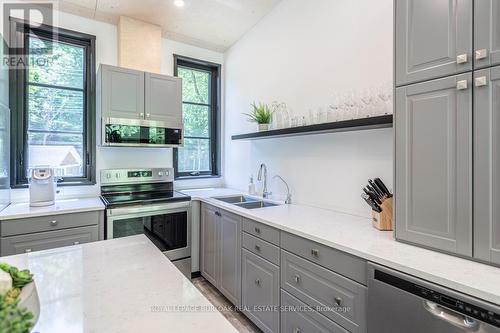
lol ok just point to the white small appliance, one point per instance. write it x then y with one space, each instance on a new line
42 187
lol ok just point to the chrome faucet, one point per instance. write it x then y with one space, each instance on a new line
288 194
263 172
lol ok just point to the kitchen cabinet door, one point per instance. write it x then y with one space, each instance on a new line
434 164
209 246
164 99
486 33
260 292
122 92
433 39
230 256
487 165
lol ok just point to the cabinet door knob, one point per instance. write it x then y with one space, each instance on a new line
297 278
257 282
76 243
257 248
257 230
462 58
148 115
141 115
27 250
338 301
296 330
53 223
481 54
315 252
480 81
461 84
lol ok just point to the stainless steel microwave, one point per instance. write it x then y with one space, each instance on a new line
122 132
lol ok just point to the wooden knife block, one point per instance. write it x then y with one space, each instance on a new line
383 220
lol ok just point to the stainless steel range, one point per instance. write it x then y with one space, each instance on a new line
143 201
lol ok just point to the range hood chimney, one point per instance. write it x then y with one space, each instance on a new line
139 45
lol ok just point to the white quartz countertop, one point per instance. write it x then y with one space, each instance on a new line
23 210
355 235
119 285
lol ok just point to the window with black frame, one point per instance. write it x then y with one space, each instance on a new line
200 154
53 104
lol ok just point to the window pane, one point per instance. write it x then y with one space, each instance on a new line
61 65
55 109
196 120
194 156
195 85
61 151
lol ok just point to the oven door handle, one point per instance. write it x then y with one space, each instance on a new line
456 319
150 209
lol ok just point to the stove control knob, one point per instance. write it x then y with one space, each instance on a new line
117 175
108 176
160 173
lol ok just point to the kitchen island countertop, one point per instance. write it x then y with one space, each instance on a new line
119 285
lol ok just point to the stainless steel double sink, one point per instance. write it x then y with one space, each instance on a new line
246 201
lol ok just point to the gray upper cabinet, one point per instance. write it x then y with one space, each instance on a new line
121 92
487 165
434 164
208 246
486 33
164 99
230 256
220 254
433 39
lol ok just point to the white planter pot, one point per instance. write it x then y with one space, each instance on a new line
263 127
29 299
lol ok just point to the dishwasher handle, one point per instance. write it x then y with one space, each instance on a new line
452 317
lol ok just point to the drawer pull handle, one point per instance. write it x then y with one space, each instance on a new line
53 223
257 248
462 58
481 54
338 301
27 250
76 243
480 81
257 230
461 84
315 252
257 282
296 330
297 278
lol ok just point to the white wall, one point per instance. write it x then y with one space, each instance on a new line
107 53
301 53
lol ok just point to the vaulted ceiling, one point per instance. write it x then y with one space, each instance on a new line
213 24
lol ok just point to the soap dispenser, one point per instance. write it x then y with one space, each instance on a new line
251 186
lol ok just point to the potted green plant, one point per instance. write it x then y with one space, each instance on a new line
261 114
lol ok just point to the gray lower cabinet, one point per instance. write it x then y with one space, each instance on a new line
220 261
433 39
47 240
297 317
164 99
209 244
487 164
433 157
121 92
486 33
260 297
335 296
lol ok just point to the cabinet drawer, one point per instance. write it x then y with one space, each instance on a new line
340 299
262 231
262 248
48 223
345 264
260 292
295 318
47 240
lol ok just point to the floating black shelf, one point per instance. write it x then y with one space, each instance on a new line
338 126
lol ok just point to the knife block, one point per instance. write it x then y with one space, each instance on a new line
383 220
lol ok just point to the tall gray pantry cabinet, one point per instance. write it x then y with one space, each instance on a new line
447 121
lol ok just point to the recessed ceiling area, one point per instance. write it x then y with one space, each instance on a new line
212 24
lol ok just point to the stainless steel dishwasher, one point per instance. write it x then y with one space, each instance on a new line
400 303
